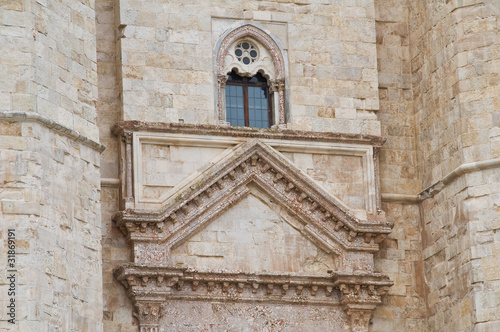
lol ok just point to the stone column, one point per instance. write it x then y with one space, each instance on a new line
129 194
221 104
277 87
359 301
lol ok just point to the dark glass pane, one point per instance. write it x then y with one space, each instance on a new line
246 60
253 53
258 78
258 111
238 52
235 112
245 46
234 77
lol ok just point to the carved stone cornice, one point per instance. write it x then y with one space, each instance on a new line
150 287
368 295
267 133
156 284
326 222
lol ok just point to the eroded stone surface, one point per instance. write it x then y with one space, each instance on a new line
422 74
253 236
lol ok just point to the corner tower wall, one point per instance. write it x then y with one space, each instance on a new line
454 52
49 165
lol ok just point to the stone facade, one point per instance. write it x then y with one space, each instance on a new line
50 166
372 202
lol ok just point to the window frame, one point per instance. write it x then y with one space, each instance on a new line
245 83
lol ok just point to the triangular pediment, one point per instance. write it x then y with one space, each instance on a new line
255 234
322 217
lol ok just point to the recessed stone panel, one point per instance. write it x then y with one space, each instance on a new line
165 165
256 234
341 175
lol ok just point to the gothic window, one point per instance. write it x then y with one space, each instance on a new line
251 79
247 100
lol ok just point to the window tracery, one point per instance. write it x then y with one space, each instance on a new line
246 52
249 51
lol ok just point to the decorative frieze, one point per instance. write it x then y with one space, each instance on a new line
149 286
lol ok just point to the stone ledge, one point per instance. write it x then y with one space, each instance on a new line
110 182
456 173
267 133
438 186
51 124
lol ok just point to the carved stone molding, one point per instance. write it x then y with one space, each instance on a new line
221 102
248 166
260 36
359 294
326 222
279 134
221 80
148 314
127 156
359 319
359 301
277 85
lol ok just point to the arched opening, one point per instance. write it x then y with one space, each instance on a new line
242 54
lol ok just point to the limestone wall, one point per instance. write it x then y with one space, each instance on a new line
460 240
50 62
400 255
167 64
108 105
117 307
454 51
50 196
454 54
49 164
398 157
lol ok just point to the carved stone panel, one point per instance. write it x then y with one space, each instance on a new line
251 224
